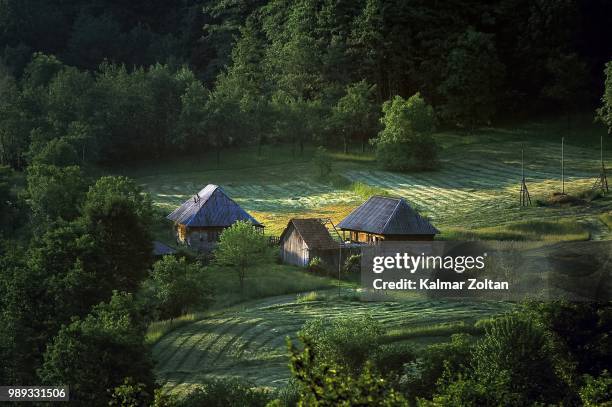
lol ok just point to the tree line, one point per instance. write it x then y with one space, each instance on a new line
119 81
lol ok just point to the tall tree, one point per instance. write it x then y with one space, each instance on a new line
242 247
604 113
355 114
405 141
95 354
473 75
568 80
117 215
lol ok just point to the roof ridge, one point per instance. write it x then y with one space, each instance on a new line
391 216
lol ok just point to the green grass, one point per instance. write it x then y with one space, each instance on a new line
264 281
607 219
308 297
433 330
476 186
250 343
156 330
365 191
554 230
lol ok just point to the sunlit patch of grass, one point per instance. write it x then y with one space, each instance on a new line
554 230
366 191
443 329
264 281
607 219
308 297
158 329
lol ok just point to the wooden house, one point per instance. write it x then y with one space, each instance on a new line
304 239
200 220
386 218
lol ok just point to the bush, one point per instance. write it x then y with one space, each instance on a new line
515 357
581 330
174 286
315 265
405 142
352 264
421 376
597 391
390 359
345 341
226 393
325 385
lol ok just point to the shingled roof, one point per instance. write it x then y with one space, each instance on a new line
387 216
211 207
313 232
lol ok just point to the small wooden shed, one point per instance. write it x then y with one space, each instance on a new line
386 218
200 220
304 239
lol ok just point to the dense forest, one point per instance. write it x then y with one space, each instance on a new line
112 80
86 85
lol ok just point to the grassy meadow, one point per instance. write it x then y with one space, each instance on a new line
475 189
473 195
250 343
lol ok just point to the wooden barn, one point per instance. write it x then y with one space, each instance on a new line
200 220
386 218
304 239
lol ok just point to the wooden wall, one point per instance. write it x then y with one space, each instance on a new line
293 249
364 237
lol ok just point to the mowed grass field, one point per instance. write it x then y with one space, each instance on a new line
250 344
475 192
476 185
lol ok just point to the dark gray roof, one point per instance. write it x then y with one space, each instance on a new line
387 216
162 249
211 207
313 232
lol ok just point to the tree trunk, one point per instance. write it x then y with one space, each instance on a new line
344 139
241 278
259 147
218 156
363 143
301 147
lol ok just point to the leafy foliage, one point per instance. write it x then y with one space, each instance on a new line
242 246
405 142
604 113
329 385
473 76
346 341
95 353
174 286
117 215
222 393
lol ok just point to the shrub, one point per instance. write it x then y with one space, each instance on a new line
345 341
226 393
597 391
421 375
405 142
174 286
315 265
391 358
352 264
581 330
323 385
515 357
